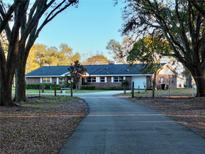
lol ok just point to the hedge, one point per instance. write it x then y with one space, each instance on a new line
87 87
48 86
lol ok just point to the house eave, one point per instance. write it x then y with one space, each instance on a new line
41 76
121 75
87 75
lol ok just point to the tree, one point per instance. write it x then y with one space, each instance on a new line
96 60
8 59
180 23
42 55
149 50
199 5
76 72
28 19
120 50
125 85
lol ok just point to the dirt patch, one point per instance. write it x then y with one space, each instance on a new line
40 125
186 110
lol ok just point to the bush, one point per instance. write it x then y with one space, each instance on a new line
87 87
46 86
111 88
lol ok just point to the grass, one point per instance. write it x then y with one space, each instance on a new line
161 93
30 91
48 103
41 125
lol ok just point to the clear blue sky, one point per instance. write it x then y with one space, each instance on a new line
87 29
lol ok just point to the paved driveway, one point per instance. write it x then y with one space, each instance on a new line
117 126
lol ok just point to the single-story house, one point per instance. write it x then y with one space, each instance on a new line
100 76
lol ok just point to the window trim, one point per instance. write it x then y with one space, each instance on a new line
102 79
46 80
92 79
117 79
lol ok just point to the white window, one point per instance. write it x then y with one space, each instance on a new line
102 79
91 79
118 79
46 80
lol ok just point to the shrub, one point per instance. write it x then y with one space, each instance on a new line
87 87
111 88
47 86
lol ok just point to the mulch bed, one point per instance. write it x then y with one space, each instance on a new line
40 126
188 111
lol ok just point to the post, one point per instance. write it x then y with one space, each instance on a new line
169 87
55 89
39 91
71 89
133 89
42 88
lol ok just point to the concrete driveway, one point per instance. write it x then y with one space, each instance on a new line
117 126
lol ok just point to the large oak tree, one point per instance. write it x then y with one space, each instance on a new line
180 23
22 21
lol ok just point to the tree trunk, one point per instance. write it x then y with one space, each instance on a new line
200 85
154 85
124 87
199 77
200 88
6 91
20 83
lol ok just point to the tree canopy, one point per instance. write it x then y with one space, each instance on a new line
120 49
180 23
41 55
149 51
96 60
22 21
76 71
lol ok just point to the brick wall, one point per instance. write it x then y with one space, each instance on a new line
110 84
170 80
32 80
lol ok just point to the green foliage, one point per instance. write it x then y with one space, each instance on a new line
149 50
91 87
180 22
47 86
110 88
125 83
76 71
87 87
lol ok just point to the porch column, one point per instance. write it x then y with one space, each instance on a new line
97 79
57 81
112 79
105 79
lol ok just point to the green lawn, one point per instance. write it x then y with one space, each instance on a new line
171 92
33 91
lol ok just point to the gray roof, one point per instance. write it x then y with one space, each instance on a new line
111 69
